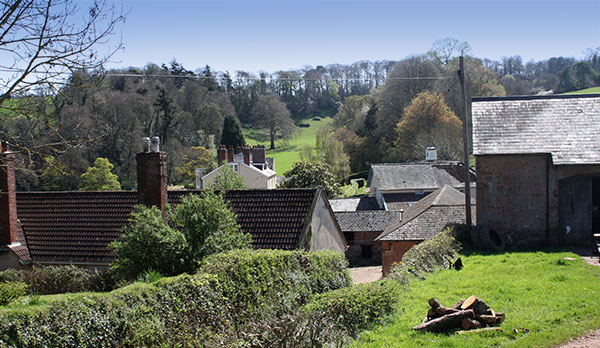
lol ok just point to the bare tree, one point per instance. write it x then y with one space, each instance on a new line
42 44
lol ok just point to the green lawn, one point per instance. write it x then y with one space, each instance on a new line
287 152
591 90
553 298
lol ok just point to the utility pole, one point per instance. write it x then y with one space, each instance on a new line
461 76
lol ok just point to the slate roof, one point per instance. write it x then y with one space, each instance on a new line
353 204
366 221
417 176
427 217
566 126
76 227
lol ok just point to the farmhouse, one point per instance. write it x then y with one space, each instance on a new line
76 227
538 167
250 163
421 221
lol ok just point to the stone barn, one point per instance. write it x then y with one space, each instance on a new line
538 167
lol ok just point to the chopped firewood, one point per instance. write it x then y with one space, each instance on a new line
500 317
474 302
458 304
447 322
472 313
483 329
470 324
468 302
434 303
488 319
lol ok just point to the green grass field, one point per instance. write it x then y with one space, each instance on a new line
286 153
553 298
592 90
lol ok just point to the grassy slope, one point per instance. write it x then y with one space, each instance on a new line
286 153
553 298
586 91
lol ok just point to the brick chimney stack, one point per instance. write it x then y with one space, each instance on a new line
222 154
246 150
152 175
230 154
8 197
259 154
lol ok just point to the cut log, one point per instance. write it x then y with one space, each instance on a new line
458 304
470 324
488 319
445 310
468 302
434 303
483 329
500 317
447 322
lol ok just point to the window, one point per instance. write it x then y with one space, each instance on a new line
365 251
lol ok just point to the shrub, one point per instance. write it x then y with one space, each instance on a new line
10 291
59 279
210 308
355 308
425 257
197 227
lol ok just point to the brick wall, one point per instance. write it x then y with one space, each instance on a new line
512 196
392 252
8 201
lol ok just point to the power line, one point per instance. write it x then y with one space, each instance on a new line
255 78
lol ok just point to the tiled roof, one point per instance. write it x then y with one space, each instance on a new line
276 219
565 126
353 204
427 217
76 227
366 221
417 176
73 226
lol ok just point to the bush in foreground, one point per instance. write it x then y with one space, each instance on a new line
210 308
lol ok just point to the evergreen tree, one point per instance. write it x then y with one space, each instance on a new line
232 132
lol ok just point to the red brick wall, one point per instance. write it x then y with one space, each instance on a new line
511 196
8 201
392 252
152 179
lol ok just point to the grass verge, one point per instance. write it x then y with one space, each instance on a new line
553 298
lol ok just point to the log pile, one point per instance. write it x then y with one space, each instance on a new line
468 314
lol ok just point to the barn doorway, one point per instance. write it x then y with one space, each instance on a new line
596 205
577 197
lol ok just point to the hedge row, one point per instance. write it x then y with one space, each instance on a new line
59 279
206 309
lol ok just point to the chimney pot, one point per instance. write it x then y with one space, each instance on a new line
230 154
4 146
431 154
246 150
155 144
146 144
222 154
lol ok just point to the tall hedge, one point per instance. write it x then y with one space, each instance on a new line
188 310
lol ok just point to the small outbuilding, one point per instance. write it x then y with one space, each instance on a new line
421 221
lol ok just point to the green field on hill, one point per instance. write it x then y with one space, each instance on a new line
592 90
287 152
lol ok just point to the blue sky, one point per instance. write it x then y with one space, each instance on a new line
269 35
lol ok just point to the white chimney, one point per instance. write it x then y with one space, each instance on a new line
155 144
431 154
